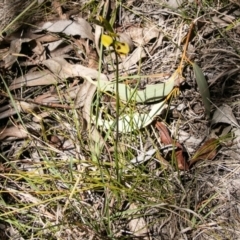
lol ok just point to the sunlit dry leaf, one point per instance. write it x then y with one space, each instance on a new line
236 140
189 141
138 226
97 36
62 51
63 69
31 79
174 3
20 106
18 132
143 157
141 36
206 152
37 47
15 48
224 114
56 5
53 45
80 27
132 59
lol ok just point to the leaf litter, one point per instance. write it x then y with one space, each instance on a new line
59 81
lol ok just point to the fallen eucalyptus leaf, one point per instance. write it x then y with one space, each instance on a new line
18 132
143 157
142 36
14 50
138 225
31 79
63 69
80 27
224 114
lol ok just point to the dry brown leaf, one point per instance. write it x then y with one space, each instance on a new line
15 48
166 140
72 28
63 69
181 162
54 45
60 69
31 79
138 226
20 106
164 133
206 152
132 59
224 114
142 36
57 96
62 51
93 59
56 5
18 132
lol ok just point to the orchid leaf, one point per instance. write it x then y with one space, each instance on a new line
203 87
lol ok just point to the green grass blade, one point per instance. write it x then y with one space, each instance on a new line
203 87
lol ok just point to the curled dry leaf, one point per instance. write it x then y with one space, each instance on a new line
206 152
166 140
